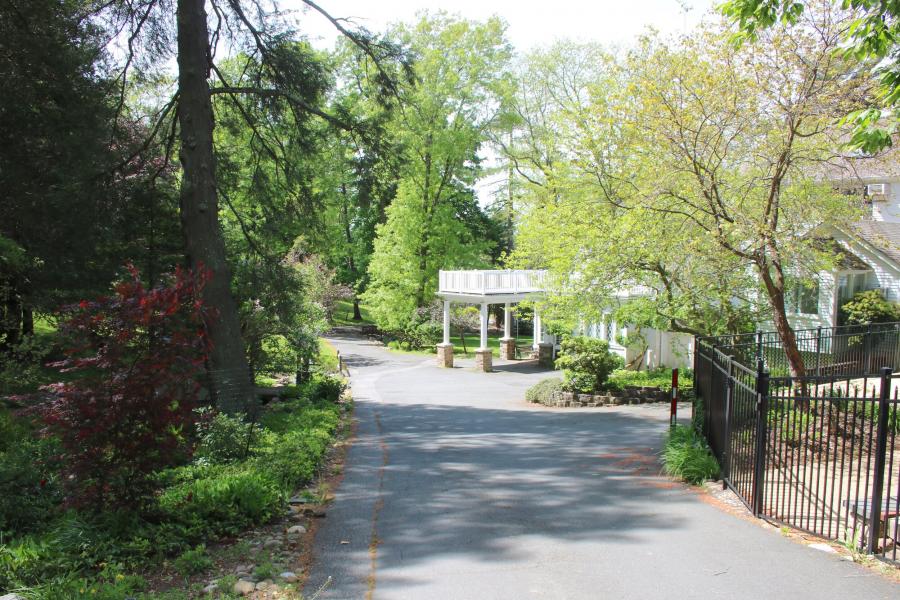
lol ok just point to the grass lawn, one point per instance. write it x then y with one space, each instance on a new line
328 357
343 314
472 342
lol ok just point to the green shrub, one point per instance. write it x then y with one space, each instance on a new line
22 370
543 391
193 561
586 363
221 438
326 387
28 477
686 456
660 377
869 307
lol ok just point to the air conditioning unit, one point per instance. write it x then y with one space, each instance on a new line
877 191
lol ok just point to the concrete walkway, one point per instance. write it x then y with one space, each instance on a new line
455 488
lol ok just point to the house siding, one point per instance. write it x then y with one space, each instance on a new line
664 348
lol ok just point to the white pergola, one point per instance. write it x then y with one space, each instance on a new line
486 288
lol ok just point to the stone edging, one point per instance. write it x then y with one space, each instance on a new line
629 395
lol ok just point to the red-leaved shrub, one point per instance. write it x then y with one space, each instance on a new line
135 358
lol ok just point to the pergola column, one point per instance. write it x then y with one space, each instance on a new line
446 321
484 327
483 354
445 350
507 343
543 350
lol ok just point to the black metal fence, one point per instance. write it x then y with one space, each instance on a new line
820 453
845 350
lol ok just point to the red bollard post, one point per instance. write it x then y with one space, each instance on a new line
673 413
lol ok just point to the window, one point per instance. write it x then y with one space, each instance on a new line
849 284
802 298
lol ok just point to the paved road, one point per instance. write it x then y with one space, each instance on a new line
455 488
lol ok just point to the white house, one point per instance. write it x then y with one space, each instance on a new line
648 348
869 252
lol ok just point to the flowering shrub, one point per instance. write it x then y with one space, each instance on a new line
135 357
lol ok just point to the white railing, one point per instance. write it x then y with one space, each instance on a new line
491 282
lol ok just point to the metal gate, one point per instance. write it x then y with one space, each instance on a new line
817 453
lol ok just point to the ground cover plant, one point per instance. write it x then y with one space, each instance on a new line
125 464
687 456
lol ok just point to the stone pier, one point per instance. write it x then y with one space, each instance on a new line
445 355
507 348
483 360
545 355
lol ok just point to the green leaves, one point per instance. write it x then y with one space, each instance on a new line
434 221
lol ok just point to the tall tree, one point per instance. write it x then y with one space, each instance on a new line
278 70
460 68
74 220
694 169
871 37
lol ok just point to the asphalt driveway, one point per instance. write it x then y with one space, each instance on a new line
456 488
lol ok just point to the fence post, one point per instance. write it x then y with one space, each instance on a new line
726 455
818 350
880 457
762 410
673 413
868 348
759 346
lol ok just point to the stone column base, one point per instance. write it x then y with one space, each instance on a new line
508 348
445 355
545 355
483 360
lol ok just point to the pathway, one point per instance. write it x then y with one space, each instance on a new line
455 488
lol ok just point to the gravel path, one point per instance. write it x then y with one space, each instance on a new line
456 488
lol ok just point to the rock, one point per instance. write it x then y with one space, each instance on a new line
289 577
297 500
820 547
243 574
244 587
11 597
297 516
211 588
264 585
296 530
271 543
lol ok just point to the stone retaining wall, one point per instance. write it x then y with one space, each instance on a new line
629 395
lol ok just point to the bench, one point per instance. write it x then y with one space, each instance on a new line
890 509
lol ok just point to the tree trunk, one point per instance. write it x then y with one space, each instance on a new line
204 245
27 321
357 315
12 320
775 293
